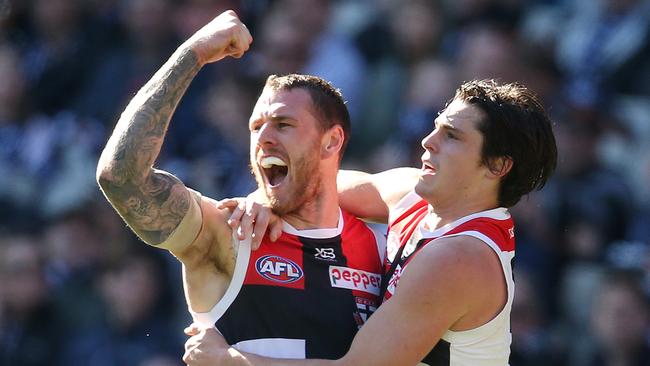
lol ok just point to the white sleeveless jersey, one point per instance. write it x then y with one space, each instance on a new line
486 345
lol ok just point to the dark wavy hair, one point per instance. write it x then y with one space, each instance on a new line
517 127
327 101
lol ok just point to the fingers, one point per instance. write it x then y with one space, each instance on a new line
186 358
208 347
245 36
224 36
249 218
241 42
190 345
237 55
237 214
247 221
229 203
230 13
192 330
275 228
235 49
248 37
259 228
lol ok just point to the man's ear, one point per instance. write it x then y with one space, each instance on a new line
332 141
500 166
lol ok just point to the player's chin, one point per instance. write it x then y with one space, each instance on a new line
423 188
282 201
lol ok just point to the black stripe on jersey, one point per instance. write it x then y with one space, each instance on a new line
272 308
340 327
439 355
327 325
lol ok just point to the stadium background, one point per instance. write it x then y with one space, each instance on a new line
76 288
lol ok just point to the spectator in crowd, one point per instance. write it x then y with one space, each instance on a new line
60 54
531 337
330 54
425 94
604 48
398 39
39 150
147 37
31 333
592 204
74 252
134 329
620 318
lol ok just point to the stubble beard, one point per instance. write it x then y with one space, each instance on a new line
304 185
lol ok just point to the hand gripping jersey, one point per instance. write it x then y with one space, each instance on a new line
305 295
488 344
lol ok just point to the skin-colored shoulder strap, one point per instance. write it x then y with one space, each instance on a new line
189 227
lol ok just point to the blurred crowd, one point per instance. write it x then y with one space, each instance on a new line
77 288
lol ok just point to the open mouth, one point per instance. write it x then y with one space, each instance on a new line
428 168
275 170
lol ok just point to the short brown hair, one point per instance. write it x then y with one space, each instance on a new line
328 101
516 126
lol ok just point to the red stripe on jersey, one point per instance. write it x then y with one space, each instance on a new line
419 205
359 247
401 230
500 231
277 264
359 244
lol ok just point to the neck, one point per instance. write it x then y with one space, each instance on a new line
443 213
321 212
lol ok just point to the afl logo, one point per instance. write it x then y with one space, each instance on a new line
278 269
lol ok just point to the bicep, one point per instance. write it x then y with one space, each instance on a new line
207 241
208 259
154 209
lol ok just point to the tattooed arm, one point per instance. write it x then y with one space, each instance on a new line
151 201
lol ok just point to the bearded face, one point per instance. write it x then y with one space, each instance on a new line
285 149
288 183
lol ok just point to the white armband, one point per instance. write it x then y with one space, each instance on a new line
188 229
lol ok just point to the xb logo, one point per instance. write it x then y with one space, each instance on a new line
325 253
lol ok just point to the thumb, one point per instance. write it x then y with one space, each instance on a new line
275 228
229 203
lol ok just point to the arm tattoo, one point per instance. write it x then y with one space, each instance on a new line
151 201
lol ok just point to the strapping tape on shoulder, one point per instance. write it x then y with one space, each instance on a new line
189 227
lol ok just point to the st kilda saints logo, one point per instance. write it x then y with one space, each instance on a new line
278 269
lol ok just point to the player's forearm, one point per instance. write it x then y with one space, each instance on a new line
152 202
372 196
138 136
359 196
255 360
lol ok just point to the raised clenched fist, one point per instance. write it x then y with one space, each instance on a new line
224 36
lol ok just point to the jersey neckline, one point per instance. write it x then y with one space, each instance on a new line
324 233
499 213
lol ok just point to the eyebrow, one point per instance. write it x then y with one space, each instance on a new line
276 118
281 117
447 126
